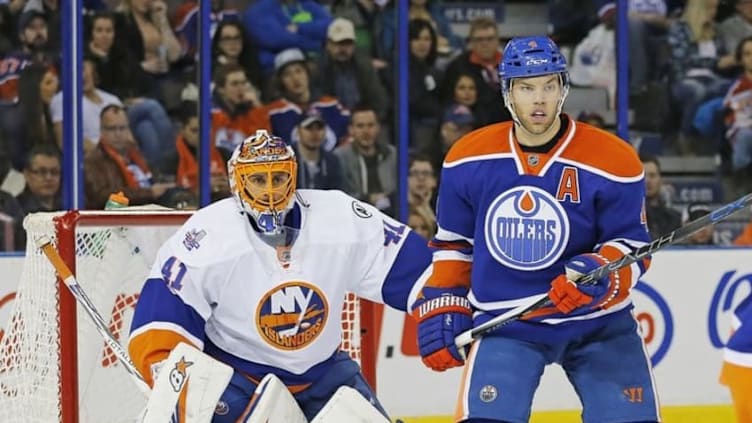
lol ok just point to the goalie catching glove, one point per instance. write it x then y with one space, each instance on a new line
442 314
567 295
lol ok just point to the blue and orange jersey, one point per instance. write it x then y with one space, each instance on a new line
510 219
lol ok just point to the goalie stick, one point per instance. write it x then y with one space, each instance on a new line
45 244
671 238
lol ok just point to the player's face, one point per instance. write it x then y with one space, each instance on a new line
268 187
536 101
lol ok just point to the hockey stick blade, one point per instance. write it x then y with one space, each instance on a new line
671 238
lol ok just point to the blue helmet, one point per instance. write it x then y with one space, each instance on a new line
531 56
527 57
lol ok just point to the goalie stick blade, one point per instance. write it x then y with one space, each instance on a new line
656 245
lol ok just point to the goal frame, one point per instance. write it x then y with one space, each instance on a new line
65 230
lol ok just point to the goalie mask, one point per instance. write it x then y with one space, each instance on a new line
262 173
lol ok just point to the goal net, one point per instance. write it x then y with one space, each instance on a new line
54 365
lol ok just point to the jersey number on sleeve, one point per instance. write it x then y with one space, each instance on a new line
173 272
392 233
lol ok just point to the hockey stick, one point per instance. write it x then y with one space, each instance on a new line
45 244
671 238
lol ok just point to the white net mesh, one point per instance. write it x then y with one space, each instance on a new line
111 264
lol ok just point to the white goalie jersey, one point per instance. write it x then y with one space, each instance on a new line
218 286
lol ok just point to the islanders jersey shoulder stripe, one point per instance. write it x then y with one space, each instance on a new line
509 219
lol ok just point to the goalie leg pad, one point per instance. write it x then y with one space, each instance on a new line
348 405
272 402
187 388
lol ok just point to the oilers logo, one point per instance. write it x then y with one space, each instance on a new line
526 228
292 315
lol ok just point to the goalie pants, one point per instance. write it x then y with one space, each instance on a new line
344 372
607 366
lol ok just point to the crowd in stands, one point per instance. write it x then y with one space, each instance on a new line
321 74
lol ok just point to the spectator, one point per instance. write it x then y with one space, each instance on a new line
465 91
705 236
51 11
421 190
187 18
186 168
231 46
370 166
661 218
93 101
739 120
37 86
33 36
365 16
277 25
145 34
42 174
648 24
317 168
12 233
737 26
117 164
424 77
237 111
428 10
592 118
346 74
744 239
458 120
697 54
482 61
424 225
118 74
292 80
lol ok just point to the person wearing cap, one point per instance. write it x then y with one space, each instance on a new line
277 25
703 237
292 80
34 38
457 121
317 168
347 74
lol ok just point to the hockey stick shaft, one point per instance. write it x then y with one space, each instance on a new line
671 238
45 244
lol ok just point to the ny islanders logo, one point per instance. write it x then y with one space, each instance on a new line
292 315
526 228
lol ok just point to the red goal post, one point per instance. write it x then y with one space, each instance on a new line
54 366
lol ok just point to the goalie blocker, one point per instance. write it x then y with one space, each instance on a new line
192 387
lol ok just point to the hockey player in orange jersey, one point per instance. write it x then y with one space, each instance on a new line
525 208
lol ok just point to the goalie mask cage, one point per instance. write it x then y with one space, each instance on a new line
54 365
